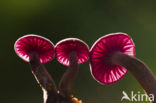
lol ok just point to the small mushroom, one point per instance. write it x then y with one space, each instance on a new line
68 46
101 67
112 55
38 50
70 52
25 45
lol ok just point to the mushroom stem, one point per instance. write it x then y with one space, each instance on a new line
137 68
43 78
69 76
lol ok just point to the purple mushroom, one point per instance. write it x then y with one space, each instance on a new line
101 69
67 46
38 50
34 43
110 58
70 52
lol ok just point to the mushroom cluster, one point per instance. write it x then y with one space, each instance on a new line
38 50
111 57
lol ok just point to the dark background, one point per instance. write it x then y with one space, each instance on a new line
85 19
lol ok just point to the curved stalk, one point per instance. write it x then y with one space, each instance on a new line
43 78
65 85
138 69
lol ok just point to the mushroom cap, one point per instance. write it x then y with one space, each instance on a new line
34 43
66 46
101 70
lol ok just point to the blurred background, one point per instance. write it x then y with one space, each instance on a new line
84 19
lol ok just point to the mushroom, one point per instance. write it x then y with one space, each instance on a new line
70 46
112 55
38 50
70 52
34 43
